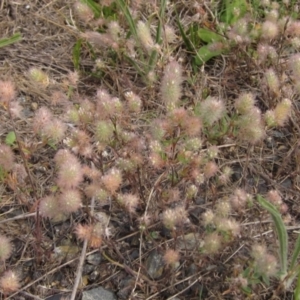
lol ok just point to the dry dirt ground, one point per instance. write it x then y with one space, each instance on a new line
47 43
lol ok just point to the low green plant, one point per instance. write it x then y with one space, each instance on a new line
288 271
150 148
264 265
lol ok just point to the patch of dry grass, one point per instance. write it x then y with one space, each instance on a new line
46 253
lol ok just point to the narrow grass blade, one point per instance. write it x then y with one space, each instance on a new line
158 38
76 54
297 290
124 8
295 253
8 41
186 40
281 232
162 10
136 66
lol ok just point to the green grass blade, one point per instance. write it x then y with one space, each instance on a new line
186 40
297 290
295 253
136 66
8 41
76 54
160 21
124 8
158 39
281 231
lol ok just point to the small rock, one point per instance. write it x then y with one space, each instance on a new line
155 265
98 294
189 241
94 259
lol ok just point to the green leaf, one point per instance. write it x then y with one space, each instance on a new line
51 144
246 290
8 41
204 54
281 232
208 36
76 54
10 138
93 6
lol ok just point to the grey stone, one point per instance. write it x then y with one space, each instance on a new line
189 241
98 294
155 265
94 259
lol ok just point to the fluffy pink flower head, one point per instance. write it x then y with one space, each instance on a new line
9 282
7 92
112 180
80 143
100 40
272 81
43 117
274 197
210 169
49 207
5 248
70 173
294 63
83 231
171 85
211 110
175 217
270 30
244 103
293 29
239 199
144 35
171 257
54 130
15 109
70 200
73 78
129 201
282 111
108 105
212 243
134 102
251 126
6 157
83 11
